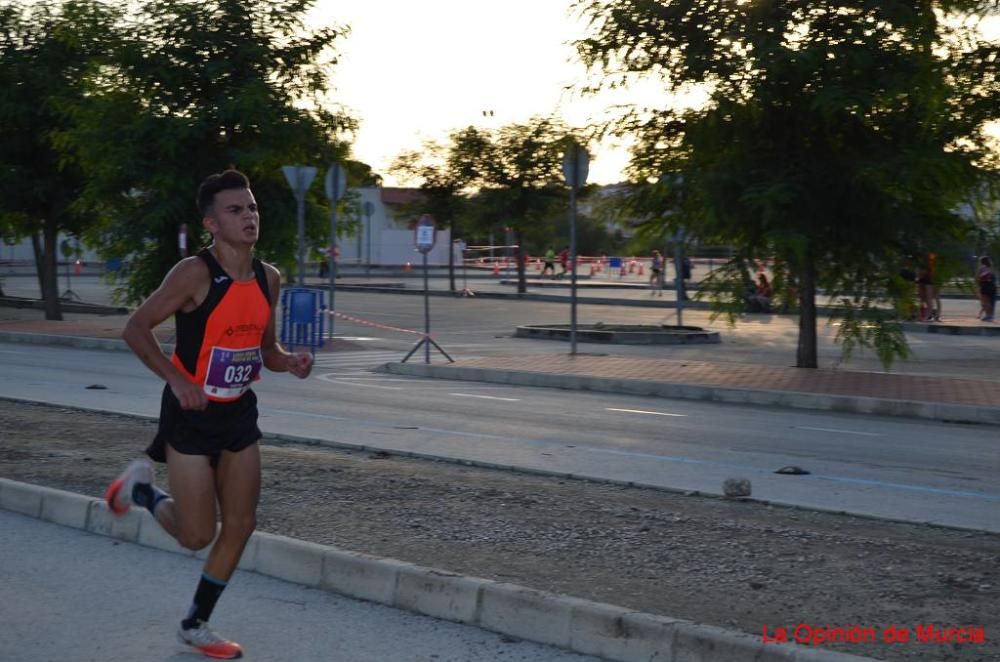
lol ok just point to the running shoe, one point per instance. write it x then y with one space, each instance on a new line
207 642
119 493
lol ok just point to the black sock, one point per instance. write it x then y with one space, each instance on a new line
148 496
205 597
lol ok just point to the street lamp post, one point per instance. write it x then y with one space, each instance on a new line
679 275
576 164
335 186
369 209
299 178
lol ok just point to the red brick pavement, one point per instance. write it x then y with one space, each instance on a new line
755 377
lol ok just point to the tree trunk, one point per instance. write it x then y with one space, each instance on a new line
451 259
806 355
36 249
46 266
519 257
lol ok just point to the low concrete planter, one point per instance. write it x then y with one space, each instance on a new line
622 334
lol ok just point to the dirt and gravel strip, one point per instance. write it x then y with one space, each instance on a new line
738 565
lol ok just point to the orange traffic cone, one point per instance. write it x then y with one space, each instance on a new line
406 267
496 269
640 270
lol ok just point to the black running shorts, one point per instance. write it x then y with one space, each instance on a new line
223 426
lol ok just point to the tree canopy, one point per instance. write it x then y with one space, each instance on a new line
196 87
510 177
47 52
838 138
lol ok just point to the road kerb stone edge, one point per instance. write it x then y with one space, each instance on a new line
571 623
78 342
789 399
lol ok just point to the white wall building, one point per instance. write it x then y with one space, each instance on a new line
23 253
386 238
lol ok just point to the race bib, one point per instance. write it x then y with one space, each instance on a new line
231 371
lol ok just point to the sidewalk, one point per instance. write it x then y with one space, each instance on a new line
72 595
65 583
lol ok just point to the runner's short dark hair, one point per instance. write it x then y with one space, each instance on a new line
222 181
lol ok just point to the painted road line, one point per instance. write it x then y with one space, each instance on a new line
353 381
484 397
365 377
306 414
642 411
838 431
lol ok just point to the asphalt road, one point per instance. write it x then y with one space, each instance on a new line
914 470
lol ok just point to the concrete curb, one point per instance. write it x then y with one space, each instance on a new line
77 342
583 300
65 306
951 329
935 411
582 626
651 335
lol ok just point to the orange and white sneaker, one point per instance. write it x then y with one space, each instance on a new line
119 493
207 642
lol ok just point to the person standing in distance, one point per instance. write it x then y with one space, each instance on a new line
223 300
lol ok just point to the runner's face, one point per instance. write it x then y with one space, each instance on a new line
234 217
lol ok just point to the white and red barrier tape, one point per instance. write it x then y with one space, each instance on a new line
375 325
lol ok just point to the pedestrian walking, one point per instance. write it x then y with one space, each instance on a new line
223 301
656 274
760 300
925 294
986 280
935 287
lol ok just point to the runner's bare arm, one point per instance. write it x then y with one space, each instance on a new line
183 288
276 357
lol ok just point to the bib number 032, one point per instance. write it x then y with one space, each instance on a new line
238 374
231 371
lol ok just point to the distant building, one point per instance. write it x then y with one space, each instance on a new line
387 237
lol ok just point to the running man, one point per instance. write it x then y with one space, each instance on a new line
223 301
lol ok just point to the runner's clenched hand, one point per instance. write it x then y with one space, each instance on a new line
189 395
300 364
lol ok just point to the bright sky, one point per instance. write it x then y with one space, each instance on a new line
412 71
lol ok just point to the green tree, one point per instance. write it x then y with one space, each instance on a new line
838 139
198 87
442 181
517 173
510 177
48 50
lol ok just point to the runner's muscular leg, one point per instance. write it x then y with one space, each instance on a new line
189 515
237 480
